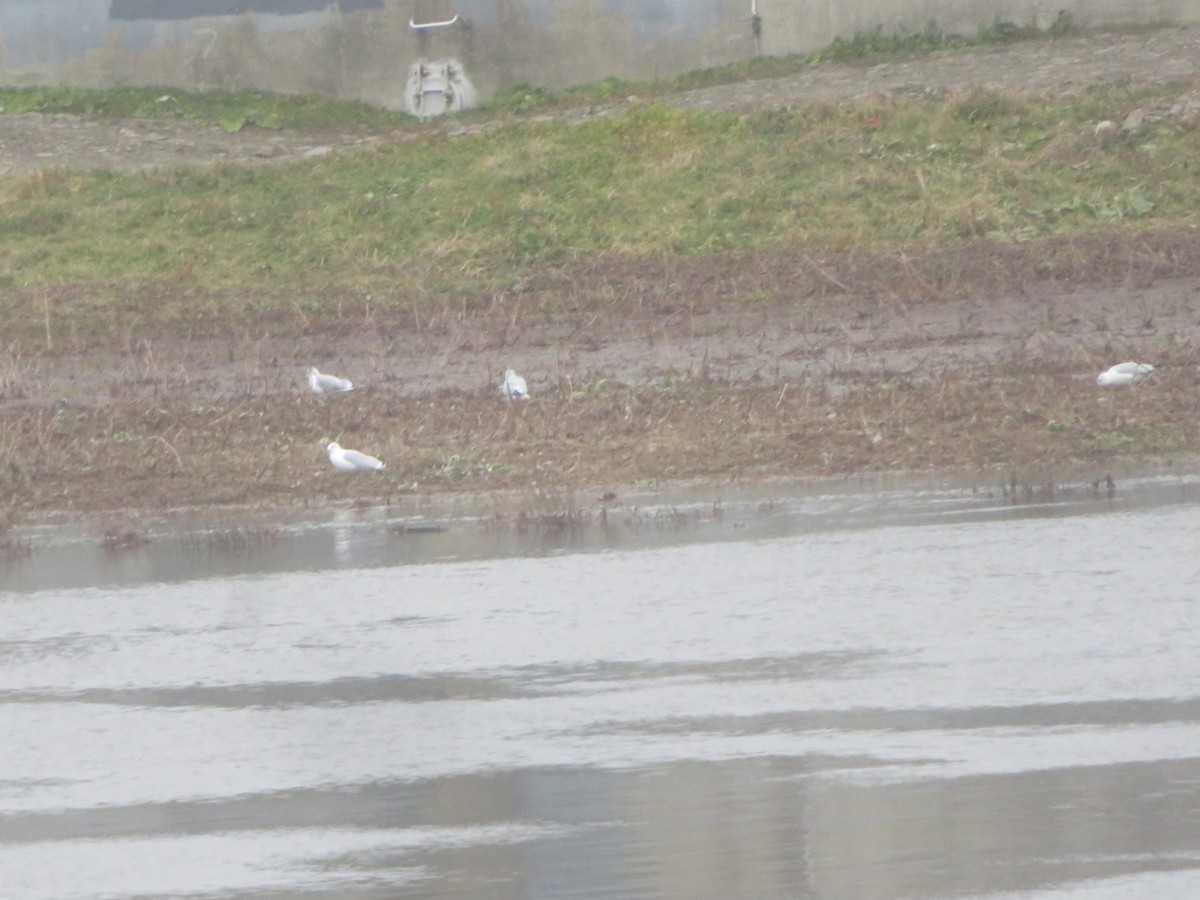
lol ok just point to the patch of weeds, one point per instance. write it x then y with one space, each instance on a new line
1131 203
877 42
552 512
548 521
1112 441
17 375
1130 439
14 548
981 105
1002 31
231 110
523 98
42 221
459 468
117 540
1063 25
520 98
590 390
236 538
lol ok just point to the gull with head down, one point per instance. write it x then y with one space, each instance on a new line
1123 374
513 387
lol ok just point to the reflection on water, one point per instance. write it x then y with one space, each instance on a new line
425 531
913 691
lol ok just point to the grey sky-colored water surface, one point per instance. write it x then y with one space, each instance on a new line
913 691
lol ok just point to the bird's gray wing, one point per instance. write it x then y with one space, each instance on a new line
361 460
333 383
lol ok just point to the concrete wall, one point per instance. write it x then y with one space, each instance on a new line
363 49
805 27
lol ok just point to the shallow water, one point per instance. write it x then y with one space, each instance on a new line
903 691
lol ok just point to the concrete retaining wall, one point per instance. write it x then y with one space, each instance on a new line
365 49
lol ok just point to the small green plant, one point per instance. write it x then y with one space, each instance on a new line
520 98
877 42
1130 203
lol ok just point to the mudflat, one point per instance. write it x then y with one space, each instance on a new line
980 357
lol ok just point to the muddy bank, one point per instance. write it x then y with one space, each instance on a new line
983 358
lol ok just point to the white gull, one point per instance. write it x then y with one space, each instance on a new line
1123 374
351 460
321 383
514 387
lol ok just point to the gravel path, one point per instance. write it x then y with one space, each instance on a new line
1062 65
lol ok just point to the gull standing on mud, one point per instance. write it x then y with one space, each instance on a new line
352 460
514 387
320 383
1123 374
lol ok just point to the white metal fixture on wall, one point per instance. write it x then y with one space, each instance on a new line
415 26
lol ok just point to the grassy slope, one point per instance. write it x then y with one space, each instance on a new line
431 220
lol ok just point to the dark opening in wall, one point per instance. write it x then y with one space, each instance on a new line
195 9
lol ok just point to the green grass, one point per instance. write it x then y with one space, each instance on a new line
231 110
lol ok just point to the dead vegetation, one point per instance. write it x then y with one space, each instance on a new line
983 359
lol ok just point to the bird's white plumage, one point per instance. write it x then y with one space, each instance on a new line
351 460
513 387
320 383
1124 374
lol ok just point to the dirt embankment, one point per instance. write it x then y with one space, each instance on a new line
983 356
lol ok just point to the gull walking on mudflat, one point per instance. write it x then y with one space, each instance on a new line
1123 374
352 460
321 383
514 387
